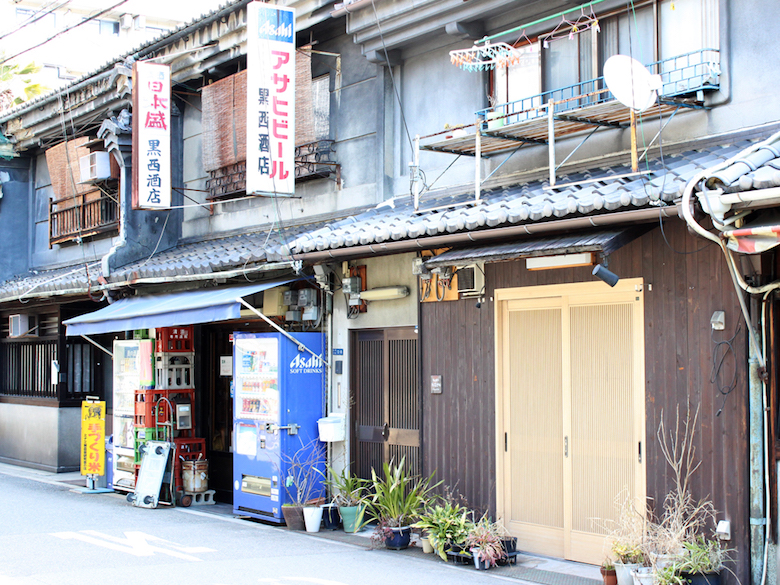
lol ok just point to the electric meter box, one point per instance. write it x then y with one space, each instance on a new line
307 297
350 285
290 298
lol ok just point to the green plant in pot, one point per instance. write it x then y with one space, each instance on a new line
348 491
669 575
396 499
702 561
608 573
447 525
484 542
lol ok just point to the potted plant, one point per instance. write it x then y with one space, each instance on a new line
702 561
484 543
608 573
396 500
447 526
628 558
303 485
669 575
348 491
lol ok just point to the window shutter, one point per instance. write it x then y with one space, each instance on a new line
224 122
63 163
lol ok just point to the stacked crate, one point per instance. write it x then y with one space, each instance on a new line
155 410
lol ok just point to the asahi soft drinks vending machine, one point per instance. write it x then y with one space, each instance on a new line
278 392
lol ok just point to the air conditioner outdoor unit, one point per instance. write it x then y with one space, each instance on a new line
96 166
471 280
126 21
22 325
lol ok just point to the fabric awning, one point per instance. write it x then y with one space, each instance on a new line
167 310
602 241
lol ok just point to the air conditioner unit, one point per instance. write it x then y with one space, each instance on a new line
22 325
96 166
126 21
471 280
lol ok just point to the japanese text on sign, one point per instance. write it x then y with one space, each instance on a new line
270 99
93 436
151 125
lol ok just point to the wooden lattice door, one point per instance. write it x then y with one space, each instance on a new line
386 399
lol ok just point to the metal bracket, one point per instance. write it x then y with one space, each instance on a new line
292 428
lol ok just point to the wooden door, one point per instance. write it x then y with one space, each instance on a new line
386 398
570 399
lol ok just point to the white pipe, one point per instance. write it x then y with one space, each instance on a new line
301 346
767 505
748 196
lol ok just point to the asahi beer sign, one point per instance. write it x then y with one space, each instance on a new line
306 364
270 149
151 136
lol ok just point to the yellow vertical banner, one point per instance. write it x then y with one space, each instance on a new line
93 435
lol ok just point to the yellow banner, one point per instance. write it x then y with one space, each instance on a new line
93 436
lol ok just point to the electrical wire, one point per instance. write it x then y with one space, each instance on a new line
63 31
33 19
720 352
392 77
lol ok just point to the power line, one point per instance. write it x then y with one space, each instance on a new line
63 31
33 19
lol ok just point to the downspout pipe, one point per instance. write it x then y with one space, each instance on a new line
483 236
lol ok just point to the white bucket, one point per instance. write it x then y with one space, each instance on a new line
332 428
195 476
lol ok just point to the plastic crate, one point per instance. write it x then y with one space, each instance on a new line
174 370
152 411
143 436
174 339
189 449
148 413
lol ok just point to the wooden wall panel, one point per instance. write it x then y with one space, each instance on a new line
686 281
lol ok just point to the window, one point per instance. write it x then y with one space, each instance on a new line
651 31
41 18
81 207
102 27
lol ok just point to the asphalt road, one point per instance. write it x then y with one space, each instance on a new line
50 534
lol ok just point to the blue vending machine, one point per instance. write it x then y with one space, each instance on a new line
278 390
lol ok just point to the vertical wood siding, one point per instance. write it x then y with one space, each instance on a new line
458 344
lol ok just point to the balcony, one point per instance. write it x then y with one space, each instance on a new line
82 216
546 117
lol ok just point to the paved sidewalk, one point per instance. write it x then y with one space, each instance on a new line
528 569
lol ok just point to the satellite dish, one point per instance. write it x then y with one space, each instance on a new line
631 83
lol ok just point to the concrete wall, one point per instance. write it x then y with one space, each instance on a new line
42 437
14 206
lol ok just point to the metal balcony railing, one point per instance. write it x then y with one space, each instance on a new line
83 216
313 161
682 75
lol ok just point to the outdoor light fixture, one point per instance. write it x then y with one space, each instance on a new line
386 293
599 271
559 261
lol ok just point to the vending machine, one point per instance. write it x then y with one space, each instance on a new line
133 371
278 390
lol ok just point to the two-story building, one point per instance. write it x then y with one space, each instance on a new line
471 164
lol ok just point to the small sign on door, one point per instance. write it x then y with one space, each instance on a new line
435 384
226 365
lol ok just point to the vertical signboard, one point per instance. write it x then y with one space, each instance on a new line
270 149
151 136
93 436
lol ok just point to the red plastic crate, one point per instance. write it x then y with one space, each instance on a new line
151 411
175 339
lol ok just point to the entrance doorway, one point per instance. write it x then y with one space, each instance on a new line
569 413
386 399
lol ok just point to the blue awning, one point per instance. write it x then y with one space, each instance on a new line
167 310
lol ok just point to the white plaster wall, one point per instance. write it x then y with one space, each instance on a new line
382 271
40 436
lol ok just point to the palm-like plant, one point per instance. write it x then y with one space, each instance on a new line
398 498
447 526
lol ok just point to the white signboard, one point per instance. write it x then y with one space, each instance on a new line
270 149
151 136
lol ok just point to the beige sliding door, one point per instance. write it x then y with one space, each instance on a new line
570 412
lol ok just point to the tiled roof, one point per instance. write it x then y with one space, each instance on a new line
194 258
576 194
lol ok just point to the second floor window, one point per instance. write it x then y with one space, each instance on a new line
651 31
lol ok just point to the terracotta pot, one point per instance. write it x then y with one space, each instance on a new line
609 576
293 517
